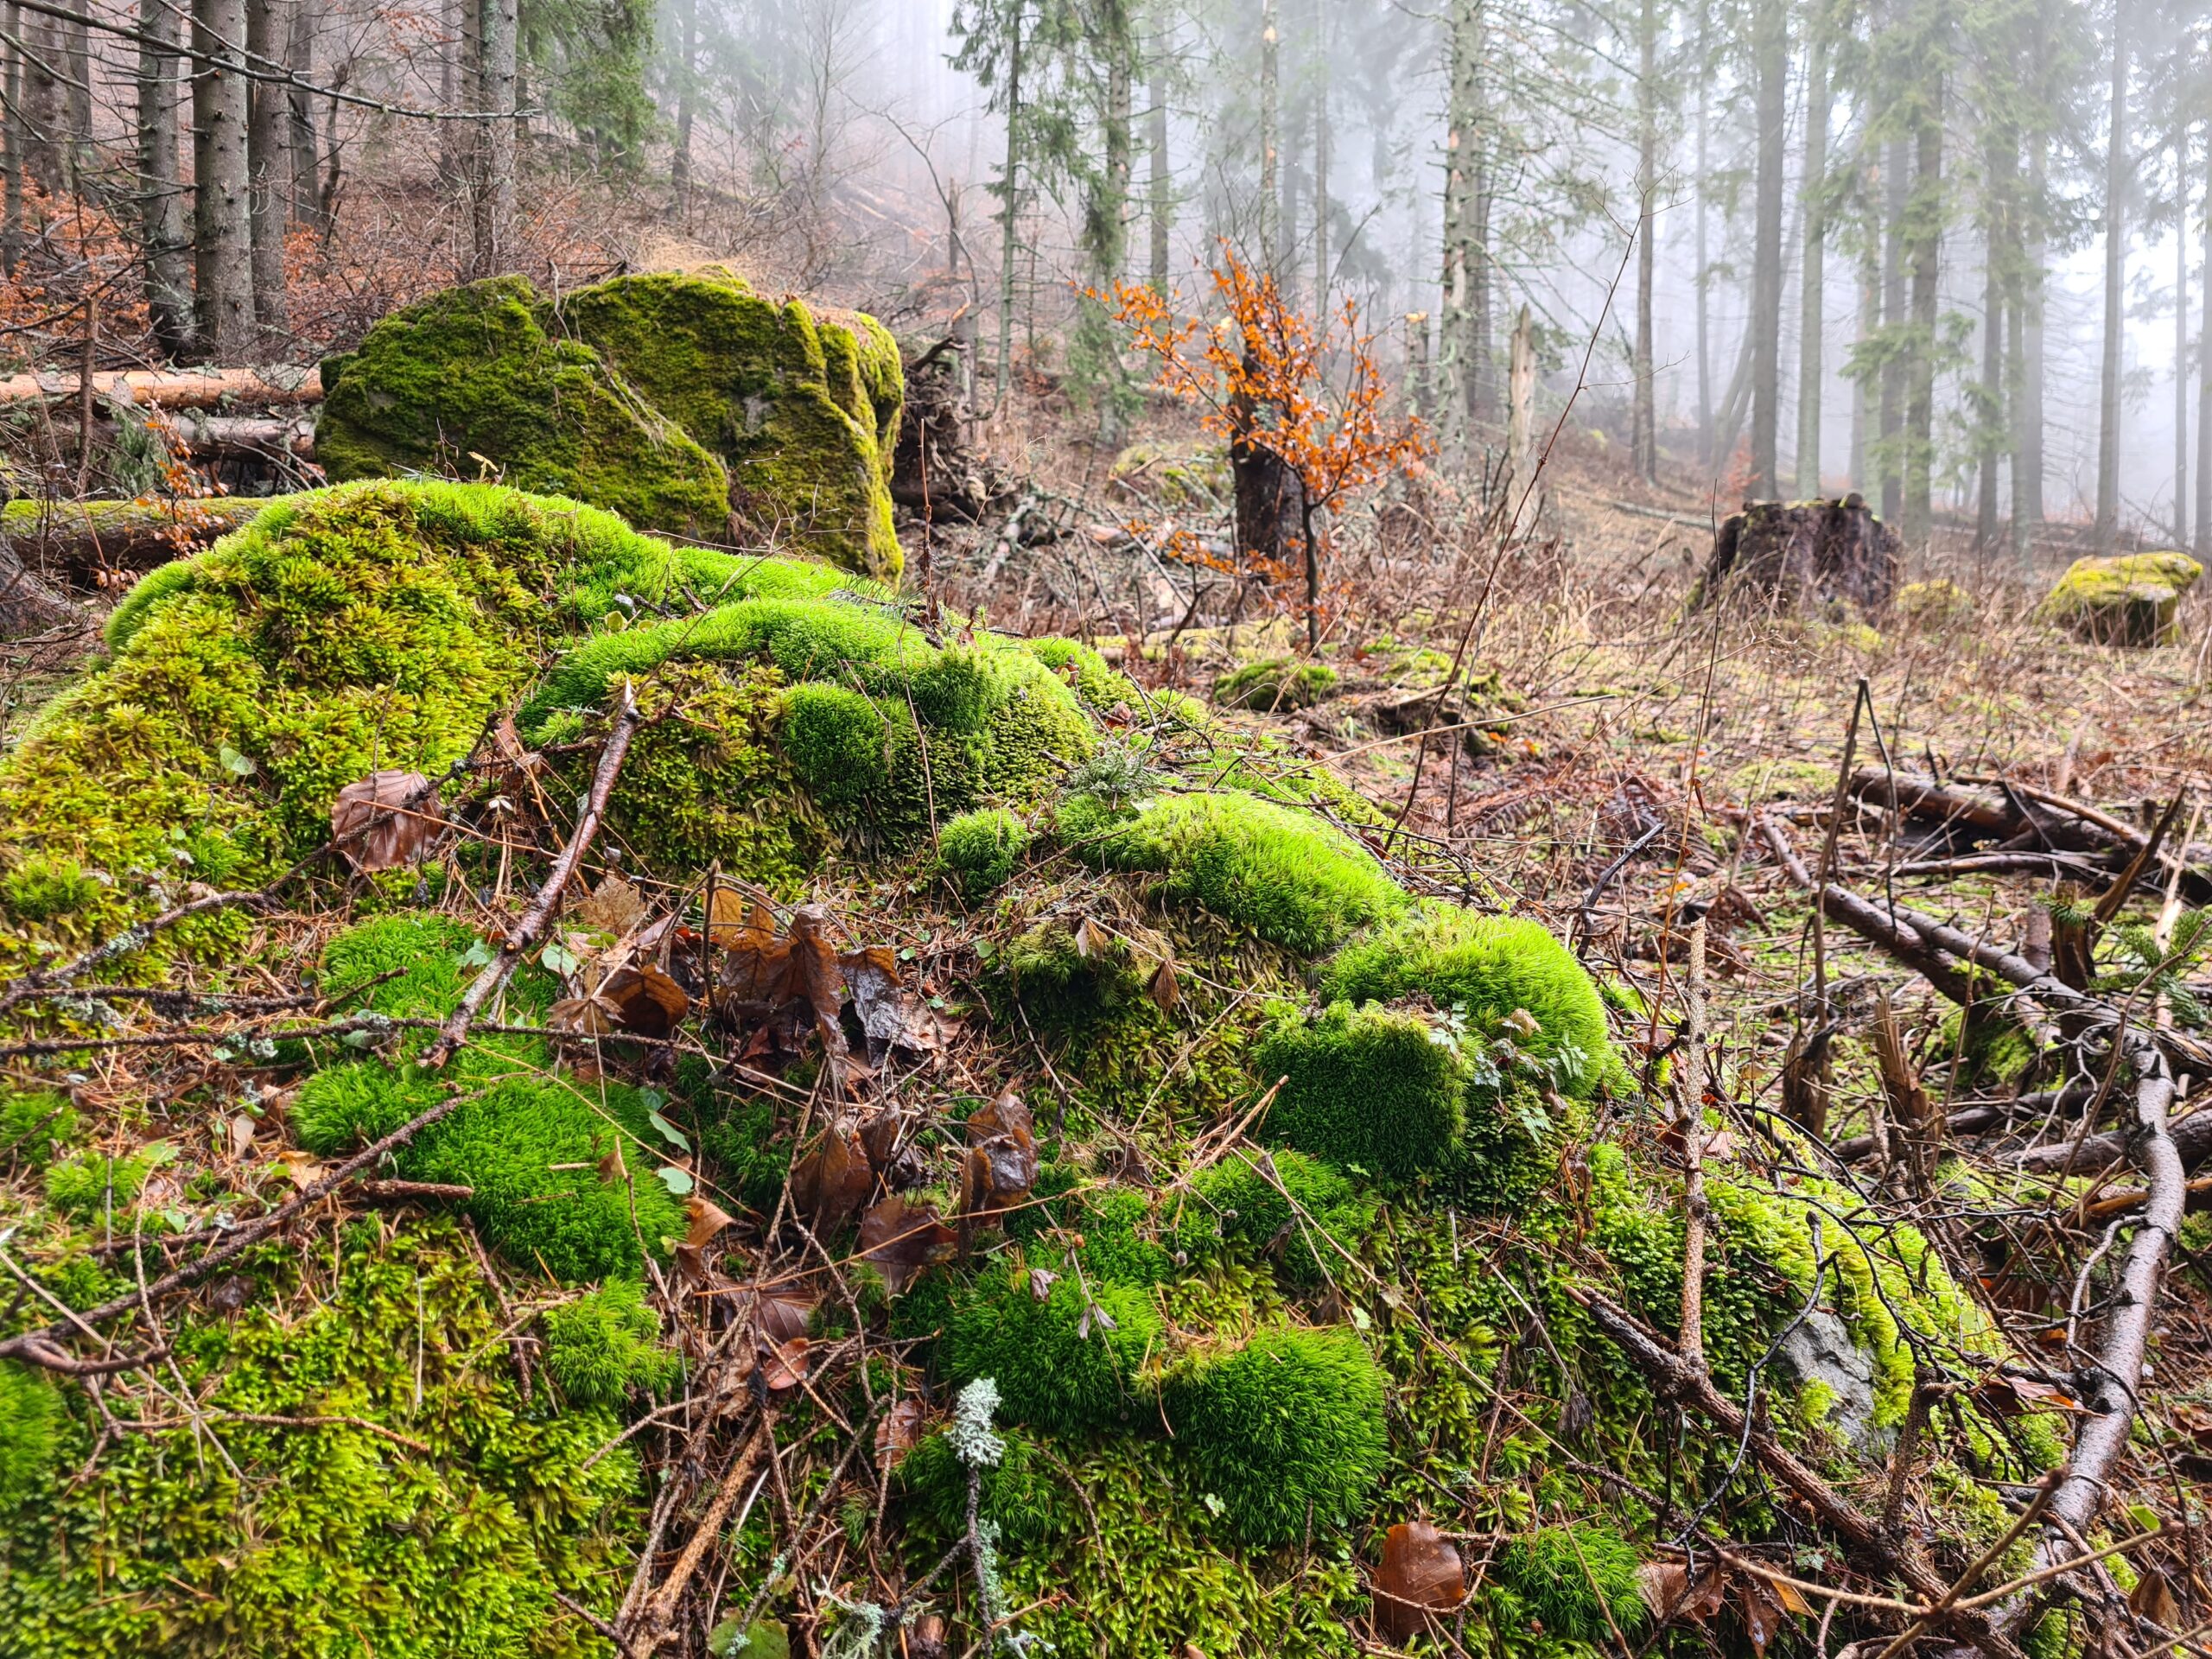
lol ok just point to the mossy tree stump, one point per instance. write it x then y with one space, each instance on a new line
1805 556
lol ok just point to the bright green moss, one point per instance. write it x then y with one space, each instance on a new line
1489 969
42 889
1059 1367
1286 1431
801 404
1020 1495
1308 1215
606 1345
1280 684
1579 1581
372 626
1118 1242
34 1124
1101 685
838 743
1292 879
535 1145
1056 977
1370 1088
979 851
30 1431
338 1539
89 1185
473 372
2131 599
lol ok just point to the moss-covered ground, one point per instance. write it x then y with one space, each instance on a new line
1273 1182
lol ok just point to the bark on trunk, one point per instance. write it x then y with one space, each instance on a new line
2001 151
2181 339
493 229
1813 278
2027 453
1160 206
13 145
1643 430
2107 519
1925 222
1704 273
1321 136
1772 48
40 36
165 246
28 604
269 166
77 36
223 234
1270 131
1895 190
308 208
687 103
2204 376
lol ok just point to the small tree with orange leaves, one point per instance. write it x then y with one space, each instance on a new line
1261 375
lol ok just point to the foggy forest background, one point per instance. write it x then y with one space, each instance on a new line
1952 255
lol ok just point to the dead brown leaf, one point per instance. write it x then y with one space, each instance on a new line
613 906
386 820
1420 1574
708 1219
1667 1590
901 1239
782 1367
899 1432
832 1181
891 1012
783 1314
645 1000
2153 1598
1001 1164
1167 992
1761 1610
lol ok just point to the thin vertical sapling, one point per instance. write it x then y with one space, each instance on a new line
1270 382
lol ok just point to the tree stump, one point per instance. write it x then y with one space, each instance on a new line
934 472
1803 556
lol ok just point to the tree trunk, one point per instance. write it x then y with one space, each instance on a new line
1704 273
1643 421
308 208
1895 192
687 103
1009 206
1520 425
223 232
2027 406
1989 423
1813 279
493 229
1322 274
2204 376
1270 133
1770 46
1160 192
1312 573
1457 343
78 36
1112 237
43 161
12 144
164 244
269 166
2180 339
1867 325
2116 172
1925 222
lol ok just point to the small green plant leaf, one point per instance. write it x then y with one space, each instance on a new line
678 1181
668 1133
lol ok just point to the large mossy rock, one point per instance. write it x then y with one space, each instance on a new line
2129 599
685 402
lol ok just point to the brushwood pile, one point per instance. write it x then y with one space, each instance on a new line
965 1106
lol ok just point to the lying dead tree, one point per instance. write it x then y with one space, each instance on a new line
2108 1380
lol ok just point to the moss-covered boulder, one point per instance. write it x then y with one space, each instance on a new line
2129 599
470 381
685 402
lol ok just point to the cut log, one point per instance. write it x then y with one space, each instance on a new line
79 539
29 605
175 388
1803 556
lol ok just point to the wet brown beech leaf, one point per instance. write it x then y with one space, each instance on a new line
1666 1588
832 1181
1420 1574
1001 1165
783 1366
613 906
645 1000
900 1239
783 1314
899 1432
386 820
708 1219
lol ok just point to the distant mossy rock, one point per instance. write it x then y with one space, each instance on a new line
2128 599
1174 475
685 402
1277 685
470 377
801 404
1939 603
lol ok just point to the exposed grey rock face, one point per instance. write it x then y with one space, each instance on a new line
1820 1348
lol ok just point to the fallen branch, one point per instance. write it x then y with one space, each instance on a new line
2107 1386
1676 1379
535 920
